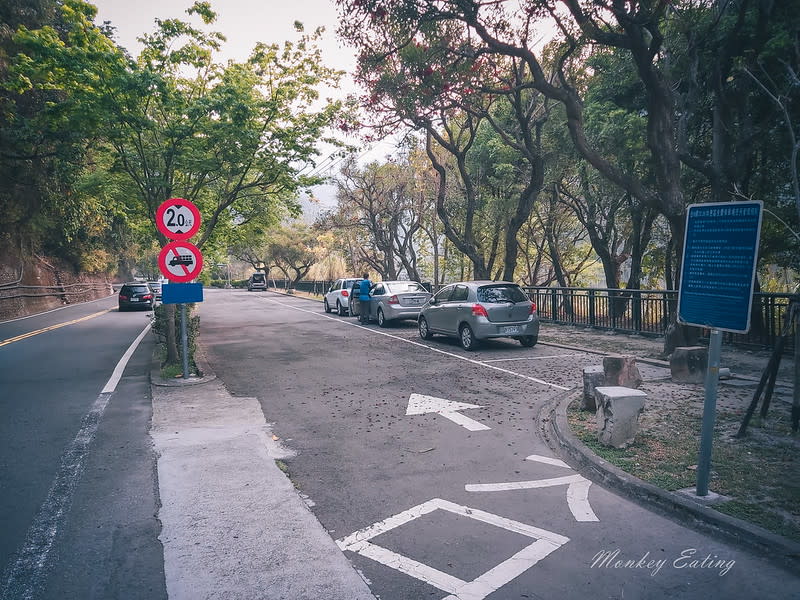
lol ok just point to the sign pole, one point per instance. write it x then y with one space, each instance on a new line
709 413
184 342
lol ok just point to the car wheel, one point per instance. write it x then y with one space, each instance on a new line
382 319
529 341
326 305
467 338
340 310
121 308
424 332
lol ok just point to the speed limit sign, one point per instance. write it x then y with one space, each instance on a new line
178 219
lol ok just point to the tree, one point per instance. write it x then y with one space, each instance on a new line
50 121
293 250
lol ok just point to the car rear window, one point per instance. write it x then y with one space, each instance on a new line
405 286
500 294
136 289
258 277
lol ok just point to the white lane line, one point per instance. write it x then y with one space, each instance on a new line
111 385
413 343
23 579
545 543
491 360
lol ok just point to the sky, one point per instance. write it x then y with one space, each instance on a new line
244 23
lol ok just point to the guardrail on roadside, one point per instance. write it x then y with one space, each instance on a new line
14 291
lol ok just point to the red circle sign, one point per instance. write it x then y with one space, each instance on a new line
178 219
180 261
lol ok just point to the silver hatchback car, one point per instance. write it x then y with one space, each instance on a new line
396 300
479 310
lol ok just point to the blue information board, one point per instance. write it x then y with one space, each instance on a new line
181 293
719 263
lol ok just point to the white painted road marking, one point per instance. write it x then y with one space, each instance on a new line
577 488
420 405
477 589
23 578
548 461
413 343
492 360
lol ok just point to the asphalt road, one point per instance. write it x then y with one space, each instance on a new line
423 496
78 491
420 503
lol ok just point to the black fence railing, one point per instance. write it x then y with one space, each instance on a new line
647 312
644 312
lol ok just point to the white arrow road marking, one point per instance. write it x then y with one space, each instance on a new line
548 461
420 405
577 488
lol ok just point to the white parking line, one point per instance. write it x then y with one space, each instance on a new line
413 343
491 360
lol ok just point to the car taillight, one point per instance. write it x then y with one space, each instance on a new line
394 300
121 297
345 293
479 311
147 297
533 307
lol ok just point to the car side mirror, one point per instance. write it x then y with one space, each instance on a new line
433 301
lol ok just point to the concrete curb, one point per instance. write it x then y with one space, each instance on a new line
553 423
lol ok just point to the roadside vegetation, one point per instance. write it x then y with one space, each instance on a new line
760 474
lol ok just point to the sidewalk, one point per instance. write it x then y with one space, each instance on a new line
759 475
233 526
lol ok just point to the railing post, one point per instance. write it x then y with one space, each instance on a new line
554 304
636 309
592 308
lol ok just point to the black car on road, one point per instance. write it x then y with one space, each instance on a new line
136 295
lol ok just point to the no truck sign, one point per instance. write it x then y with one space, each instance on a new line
180 261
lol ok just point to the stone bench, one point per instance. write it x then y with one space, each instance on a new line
618 410
616 370
688 364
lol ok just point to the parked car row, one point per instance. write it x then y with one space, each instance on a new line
471 311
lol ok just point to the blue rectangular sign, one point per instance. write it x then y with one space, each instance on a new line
181 293
719 265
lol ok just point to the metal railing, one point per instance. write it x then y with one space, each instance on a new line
644 312
11 292
647 312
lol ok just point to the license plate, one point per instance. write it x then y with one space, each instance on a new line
509 330
415 301
134 299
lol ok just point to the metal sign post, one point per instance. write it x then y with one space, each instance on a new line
180 261
716 291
